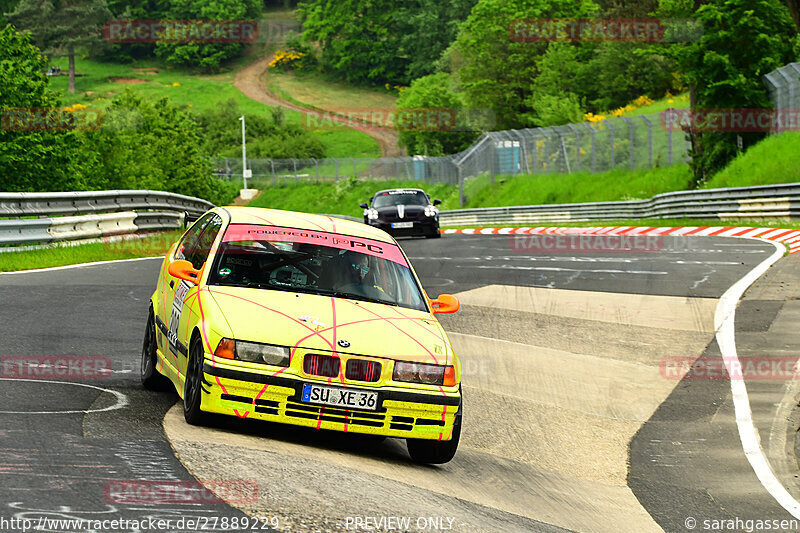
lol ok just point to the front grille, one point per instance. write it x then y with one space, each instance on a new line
334 414
376 419
321 365
363 370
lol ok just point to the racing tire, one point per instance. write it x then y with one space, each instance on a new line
434 452
437 234
193 386
151 377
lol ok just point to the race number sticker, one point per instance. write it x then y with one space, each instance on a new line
175 317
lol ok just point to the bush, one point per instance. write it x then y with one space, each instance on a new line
205 56
431 94
32 158
148 144
268 136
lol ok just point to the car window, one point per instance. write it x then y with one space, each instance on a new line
315 262
198 253
390 198
189 240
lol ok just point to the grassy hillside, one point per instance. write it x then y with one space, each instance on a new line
344 197
101 82
776 159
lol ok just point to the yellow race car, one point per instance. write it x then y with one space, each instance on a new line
307 320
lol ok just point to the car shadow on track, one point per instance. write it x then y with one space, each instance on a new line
385 449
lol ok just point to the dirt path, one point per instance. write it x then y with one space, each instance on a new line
251 80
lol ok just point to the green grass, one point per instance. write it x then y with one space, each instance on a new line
193 92
775 159
315 91
343 197
86 253
679 101
578 187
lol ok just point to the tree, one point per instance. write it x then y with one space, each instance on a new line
6 6
382 41
429 27
35 156
207 56
742 41
445 127
794 10
493 67
147 144
268 136
62 25
358 39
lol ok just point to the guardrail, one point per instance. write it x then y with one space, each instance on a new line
63 216
753 203
85 215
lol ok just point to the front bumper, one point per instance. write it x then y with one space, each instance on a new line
427 226
277 398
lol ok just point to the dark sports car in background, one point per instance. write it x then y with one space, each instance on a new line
403 212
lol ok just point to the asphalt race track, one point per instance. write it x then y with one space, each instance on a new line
572 420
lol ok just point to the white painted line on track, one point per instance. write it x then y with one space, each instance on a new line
556 269
122 400
79 265
724 325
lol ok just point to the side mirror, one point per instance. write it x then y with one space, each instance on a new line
364 205
190 218
445 303
183 269
437 202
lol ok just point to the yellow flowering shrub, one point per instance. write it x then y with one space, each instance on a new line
286 60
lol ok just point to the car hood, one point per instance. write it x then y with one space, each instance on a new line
408 211
324 323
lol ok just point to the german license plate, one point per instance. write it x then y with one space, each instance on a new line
401 225
340 397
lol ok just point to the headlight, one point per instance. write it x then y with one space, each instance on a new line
431 211
371 214
254 352
422 373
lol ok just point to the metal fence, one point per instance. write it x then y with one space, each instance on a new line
642 141
783 85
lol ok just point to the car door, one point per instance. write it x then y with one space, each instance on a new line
184 300
170 305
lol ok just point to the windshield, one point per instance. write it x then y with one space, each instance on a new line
315 262
390 198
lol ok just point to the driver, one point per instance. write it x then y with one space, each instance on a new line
361 269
